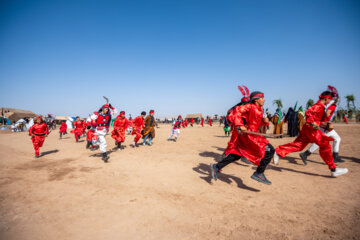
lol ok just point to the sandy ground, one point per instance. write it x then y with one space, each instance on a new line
165 191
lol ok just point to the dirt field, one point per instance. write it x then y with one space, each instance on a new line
165 191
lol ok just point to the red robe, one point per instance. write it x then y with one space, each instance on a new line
138 125
234 133
84 127
78 131
63 128
315 114
192 121
247 145
202 122
210 122
38 131
120 125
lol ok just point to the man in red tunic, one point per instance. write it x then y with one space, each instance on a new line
255 148
138 125
232 112
310 133
120 125
63 128
78 131
38 132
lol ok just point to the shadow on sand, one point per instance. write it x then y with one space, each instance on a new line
48 152
204 170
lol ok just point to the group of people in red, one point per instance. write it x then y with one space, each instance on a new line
245 120
247 117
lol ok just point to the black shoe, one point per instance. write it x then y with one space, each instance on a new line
214 171
37 156
304 156
88 145
337 157
260 177
105 157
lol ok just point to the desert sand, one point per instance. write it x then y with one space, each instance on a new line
165 191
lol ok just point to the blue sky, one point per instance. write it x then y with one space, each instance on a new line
184 56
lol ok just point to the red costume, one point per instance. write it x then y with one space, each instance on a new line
138 125
233 112
210 122
90 135
247 145
192 121
202 122
120 125
345 119
78 131
84 127
186 122
38 133
63 127
315 114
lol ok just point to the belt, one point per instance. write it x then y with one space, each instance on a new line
40 135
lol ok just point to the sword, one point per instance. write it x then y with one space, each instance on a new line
107 100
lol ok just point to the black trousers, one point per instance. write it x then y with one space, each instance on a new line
269 153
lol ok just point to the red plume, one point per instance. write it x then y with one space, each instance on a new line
333 90
242 90
247 91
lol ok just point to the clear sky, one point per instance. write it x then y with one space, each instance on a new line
184 56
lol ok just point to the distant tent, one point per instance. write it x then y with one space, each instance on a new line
61 118
194 116
13 114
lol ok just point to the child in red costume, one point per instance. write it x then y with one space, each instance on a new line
63 128
84 128
78 131
255 148
202 122
192 122
210 122
120 125
310 133
186 122
138 125
90 135
38 132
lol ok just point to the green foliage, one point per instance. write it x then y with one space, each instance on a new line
278 103
350 100
309 103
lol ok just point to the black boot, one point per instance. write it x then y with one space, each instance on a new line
337 157
304 156
88 144
118 145
105 157
60 135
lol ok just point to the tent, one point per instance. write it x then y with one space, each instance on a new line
13 114
194 116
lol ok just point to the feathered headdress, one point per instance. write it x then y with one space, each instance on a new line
334 91
245 92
